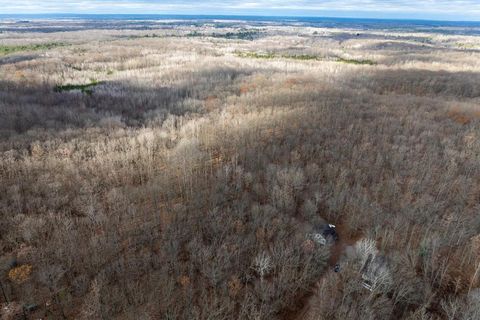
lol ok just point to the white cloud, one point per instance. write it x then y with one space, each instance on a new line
427 8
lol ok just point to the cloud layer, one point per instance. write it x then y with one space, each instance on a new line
451 9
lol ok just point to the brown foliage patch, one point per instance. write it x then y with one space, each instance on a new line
463 116
234 286
245 88
291 82
184 281
20 274
211 102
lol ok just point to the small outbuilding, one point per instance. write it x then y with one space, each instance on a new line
324 234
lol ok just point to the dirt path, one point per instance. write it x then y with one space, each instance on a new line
346 239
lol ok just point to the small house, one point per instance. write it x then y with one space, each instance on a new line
324 234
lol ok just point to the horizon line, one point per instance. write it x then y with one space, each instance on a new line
235 15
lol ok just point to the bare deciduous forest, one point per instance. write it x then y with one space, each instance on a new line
177 173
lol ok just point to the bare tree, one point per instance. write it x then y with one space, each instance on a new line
262 264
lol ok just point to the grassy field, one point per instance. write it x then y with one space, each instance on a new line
84 88
10 49
179 176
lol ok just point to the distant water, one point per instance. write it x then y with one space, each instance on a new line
149 21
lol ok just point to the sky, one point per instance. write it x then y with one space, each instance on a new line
400 9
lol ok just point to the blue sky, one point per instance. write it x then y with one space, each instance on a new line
419 9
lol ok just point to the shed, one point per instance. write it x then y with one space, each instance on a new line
324 233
